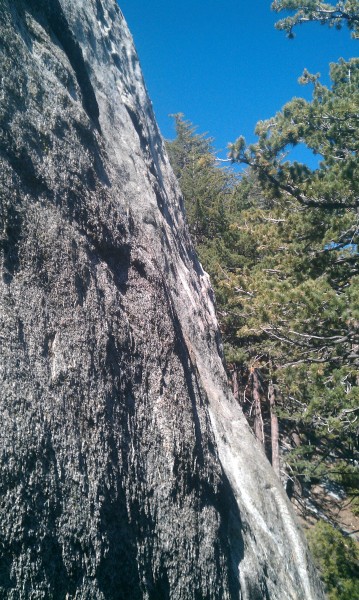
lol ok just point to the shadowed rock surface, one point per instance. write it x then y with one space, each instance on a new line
127 469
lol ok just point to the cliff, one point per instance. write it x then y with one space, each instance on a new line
127 469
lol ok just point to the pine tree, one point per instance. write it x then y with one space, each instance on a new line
337 557
207 188
299 303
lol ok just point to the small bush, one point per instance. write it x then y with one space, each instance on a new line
337 558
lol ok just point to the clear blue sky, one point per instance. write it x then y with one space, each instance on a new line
222 63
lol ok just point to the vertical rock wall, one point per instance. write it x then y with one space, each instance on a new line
127 470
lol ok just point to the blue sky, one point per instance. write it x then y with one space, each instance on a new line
223 64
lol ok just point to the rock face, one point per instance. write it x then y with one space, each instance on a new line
127 469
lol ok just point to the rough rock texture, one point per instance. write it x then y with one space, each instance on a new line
127 470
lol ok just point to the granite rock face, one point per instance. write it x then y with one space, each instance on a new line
127 469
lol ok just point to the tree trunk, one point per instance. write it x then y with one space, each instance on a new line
274 429
235 386
258 419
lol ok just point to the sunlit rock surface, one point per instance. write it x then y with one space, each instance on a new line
127 470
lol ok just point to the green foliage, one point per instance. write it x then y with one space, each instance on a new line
334 15
328 125
337 558
298 309
208 190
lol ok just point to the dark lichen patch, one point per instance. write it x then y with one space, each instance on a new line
10 241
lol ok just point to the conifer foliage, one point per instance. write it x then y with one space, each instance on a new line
335 15
302 317
207 190
337 557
